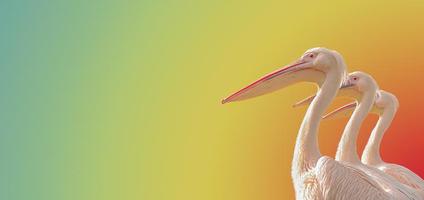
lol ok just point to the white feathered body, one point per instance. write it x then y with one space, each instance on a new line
403 175
330 179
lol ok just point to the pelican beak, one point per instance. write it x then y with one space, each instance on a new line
346 90
346 111
343 111
300 71
304 102
346 84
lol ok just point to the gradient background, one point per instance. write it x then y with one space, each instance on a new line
121 100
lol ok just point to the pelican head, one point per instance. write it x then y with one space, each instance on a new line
386 99
313 66
360 81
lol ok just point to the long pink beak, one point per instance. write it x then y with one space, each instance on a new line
273 81
305 101
343 111
347 110
346 90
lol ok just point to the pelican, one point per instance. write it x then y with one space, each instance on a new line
363 88
385 105
316 176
